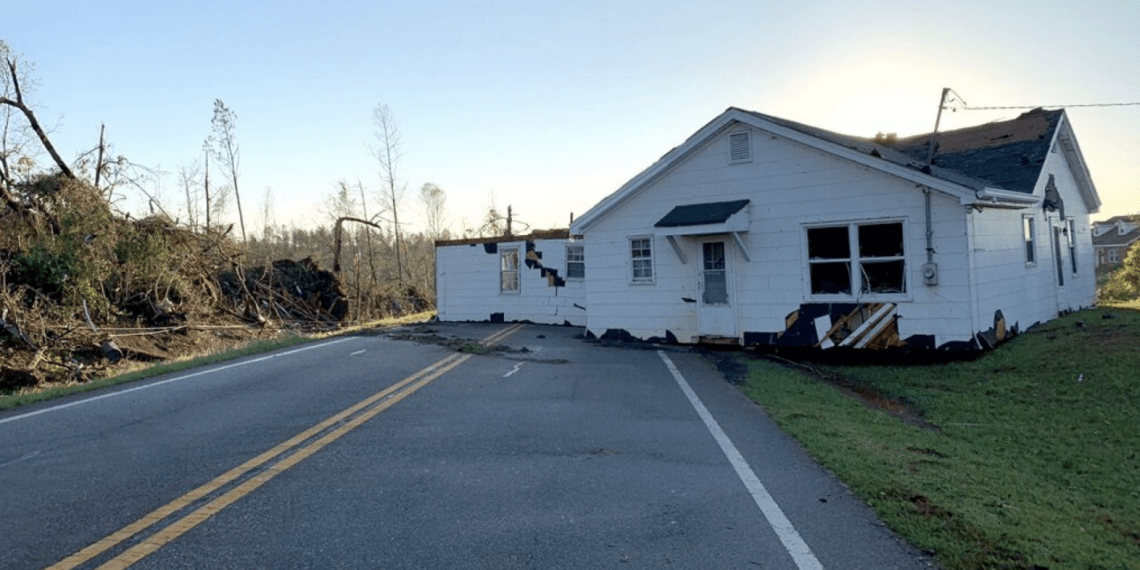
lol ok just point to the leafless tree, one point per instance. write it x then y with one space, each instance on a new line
388 154
190 179
11 96
223 146
434 202
267 214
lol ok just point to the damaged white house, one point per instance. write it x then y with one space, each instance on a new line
538 277
761 231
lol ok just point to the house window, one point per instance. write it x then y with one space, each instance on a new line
868 258
1113 255
1030 239
575 262
1071 233
509 271
641 254
740 147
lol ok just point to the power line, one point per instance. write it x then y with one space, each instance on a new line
968 108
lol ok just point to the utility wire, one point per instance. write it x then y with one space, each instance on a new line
968 108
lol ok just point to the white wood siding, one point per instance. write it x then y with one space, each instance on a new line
789 185
468 282
1028 294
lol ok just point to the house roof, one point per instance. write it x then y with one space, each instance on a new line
1111 239
880 150
1008 154
996 165
698 214
1129 218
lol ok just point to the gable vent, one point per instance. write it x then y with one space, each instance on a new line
739 147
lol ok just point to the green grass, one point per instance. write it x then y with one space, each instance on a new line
1036 464
8 401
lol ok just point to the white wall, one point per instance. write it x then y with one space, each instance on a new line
789 185
468 283
1028 294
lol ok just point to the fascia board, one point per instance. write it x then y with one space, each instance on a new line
1077 164
998 198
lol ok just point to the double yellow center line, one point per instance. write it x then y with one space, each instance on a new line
355 415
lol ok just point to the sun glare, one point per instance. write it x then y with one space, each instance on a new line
867 113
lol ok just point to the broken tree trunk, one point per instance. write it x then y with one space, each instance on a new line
31 117
337 231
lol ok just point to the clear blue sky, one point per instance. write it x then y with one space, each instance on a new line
550 106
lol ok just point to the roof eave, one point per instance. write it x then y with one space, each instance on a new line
1080 169
1007 199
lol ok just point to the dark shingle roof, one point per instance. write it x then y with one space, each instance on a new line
697 214
1009 154
1115 238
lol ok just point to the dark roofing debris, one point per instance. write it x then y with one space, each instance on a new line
1009 154
536 234
698 214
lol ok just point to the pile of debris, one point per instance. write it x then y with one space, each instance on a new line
83 288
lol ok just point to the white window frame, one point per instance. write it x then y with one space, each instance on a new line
854 262
504 271
645 261
1029 238
1113 255
747 156
575 255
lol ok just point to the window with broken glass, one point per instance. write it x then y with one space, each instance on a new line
1030 239
868 258
575 262
641 256
509 271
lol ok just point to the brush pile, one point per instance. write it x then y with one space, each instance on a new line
82 287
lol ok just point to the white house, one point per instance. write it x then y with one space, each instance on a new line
537 278
759 230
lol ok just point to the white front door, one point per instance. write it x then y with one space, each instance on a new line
717 316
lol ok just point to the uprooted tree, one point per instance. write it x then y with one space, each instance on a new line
78 279
83 284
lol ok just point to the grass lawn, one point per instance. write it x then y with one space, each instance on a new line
1033 462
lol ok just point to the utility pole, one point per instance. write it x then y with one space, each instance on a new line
937 122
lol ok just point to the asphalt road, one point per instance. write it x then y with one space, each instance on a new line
568 454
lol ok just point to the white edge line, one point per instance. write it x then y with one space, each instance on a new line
788 535
169 380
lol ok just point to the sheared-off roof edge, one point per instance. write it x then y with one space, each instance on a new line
532 236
